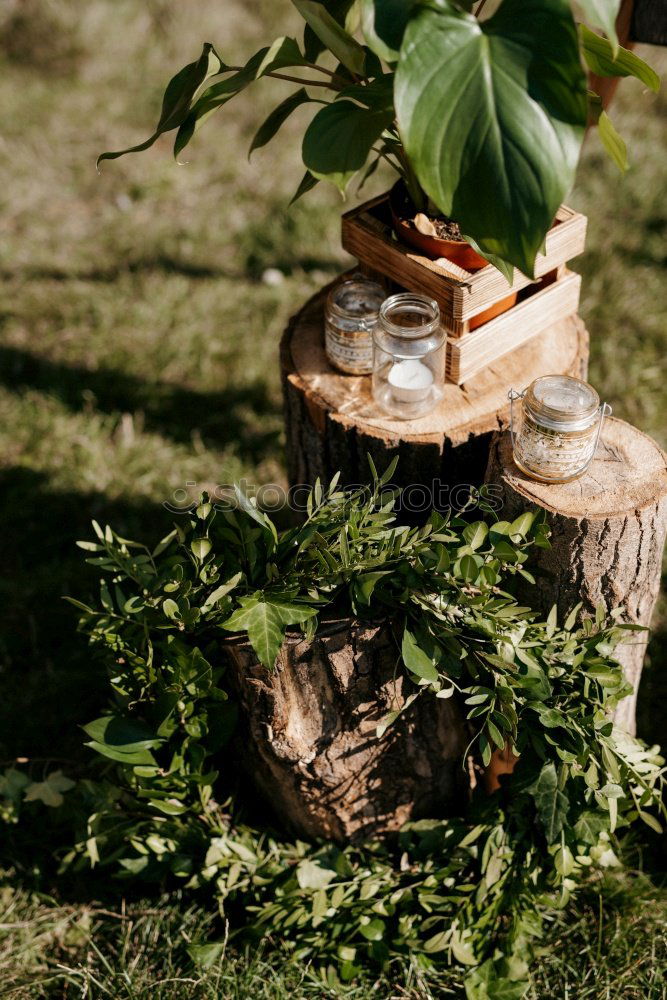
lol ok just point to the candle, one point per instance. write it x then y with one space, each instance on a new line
410 380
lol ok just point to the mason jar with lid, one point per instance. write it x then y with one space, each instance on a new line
351 316
556 436
408 356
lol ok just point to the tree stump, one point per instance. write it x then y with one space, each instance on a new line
608 532
332 422
309 740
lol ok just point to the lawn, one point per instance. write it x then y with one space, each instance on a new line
139 325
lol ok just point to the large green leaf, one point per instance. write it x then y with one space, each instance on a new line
604 60
339 139
492 116
178 98
602 14
333 35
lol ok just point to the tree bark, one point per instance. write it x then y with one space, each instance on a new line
332 422
608 532
309 741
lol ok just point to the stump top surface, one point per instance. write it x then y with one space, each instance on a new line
629 472
478 406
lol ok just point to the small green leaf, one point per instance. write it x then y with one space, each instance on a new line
207 955
372 931
200 548
416 660
333 35
310 874
475 534
277 118
613 142
603 61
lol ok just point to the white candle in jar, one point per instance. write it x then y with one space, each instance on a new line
410 380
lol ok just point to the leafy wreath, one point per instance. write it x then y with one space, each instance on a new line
471 889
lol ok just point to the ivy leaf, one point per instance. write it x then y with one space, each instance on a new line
50 791
488 123
415 659
181 91
602 14
333 35
339 139
603 60
265 622
551 803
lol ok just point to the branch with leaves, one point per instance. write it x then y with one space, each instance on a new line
472 889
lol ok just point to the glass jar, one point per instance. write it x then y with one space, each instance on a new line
350 317
559 428
408 356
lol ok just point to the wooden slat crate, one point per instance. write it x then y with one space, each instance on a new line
367 234
539 306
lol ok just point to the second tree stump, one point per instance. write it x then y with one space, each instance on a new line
608 532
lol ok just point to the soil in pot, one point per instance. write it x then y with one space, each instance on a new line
445 242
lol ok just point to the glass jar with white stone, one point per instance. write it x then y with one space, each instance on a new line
556 429
408 356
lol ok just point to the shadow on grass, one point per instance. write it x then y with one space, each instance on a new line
231 416
48 683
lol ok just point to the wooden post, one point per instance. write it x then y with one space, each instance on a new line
608 532
309 741
332 422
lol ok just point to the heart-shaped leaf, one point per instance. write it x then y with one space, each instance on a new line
492 115
339 138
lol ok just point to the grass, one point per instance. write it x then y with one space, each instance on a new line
139 331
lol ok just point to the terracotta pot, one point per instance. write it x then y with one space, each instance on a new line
458 251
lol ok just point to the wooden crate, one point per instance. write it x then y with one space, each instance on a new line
539 306
367 234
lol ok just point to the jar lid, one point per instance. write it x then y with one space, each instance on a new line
357 298
562 401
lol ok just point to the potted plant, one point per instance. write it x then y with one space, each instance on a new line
482 118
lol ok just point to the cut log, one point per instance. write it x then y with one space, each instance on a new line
332 422
309 740
608 532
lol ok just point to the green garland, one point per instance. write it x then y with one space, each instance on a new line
471 890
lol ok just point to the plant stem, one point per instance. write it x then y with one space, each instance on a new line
292 79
